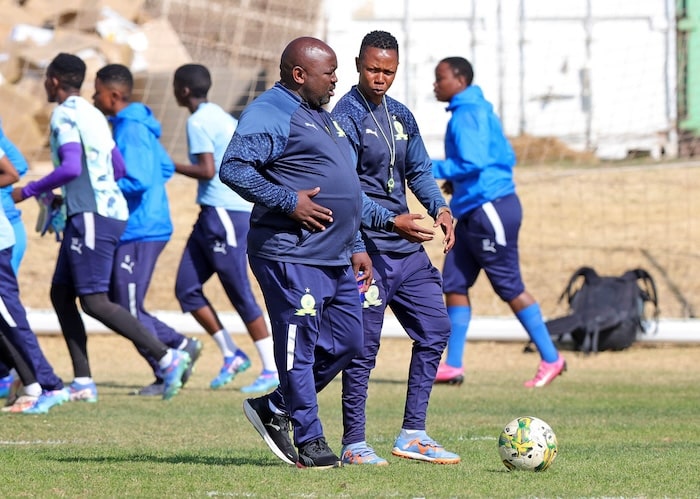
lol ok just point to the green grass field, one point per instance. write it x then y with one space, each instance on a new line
627 425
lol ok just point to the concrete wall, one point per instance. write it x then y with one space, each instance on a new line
598 74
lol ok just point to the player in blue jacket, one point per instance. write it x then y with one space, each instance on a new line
14 215
478 168
148 230
295 163
392 158
19 348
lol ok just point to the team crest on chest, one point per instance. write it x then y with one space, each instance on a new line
308 304
398 127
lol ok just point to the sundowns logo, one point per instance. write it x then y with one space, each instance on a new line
372 296
398 127
308 304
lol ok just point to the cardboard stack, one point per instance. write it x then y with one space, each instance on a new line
101 32
240 43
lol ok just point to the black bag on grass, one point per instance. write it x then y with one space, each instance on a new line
606 312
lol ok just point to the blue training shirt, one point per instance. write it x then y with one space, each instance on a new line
148 168
479 160
412 166
282 146
209 130
17 159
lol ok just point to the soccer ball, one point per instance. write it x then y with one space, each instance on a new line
527 443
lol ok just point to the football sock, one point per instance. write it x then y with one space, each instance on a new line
82 380
459 319
410 433
531 319
267 354
33 390
223 341
166 359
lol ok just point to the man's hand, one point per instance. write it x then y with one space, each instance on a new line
313 217
444 220
405 227
361 262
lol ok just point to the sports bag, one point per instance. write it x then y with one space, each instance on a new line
607 312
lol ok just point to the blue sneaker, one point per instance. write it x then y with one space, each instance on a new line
421 447
172 375
47 400
266 382
361 453
194 348
5 385
83 392
233 365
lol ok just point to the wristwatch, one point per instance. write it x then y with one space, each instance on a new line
390 225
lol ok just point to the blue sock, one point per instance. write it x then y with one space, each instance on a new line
459 319
531 319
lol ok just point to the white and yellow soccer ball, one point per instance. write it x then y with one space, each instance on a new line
527 443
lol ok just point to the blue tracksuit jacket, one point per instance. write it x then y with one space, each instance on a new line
479 160
148 168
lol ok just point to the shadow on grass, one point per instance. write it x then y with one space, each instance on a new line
175 459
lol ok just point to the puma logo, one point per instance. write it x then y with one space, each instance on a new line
274 426
128 264
488 245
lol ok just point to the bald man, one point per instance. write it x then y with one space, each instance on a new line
295 163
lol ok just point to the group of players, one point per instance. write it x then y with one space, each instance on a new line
329 214
117 222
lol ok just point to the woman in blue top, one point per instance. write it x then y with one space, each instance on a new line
478 167
19 347
14 216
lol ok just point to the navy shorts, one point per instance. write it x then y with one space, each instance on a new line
487 238
86 256
217 245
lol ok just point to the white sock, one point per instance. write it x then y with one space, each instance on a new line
267 354
166 359
33 390
407 433
225 343
83 380
183 344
